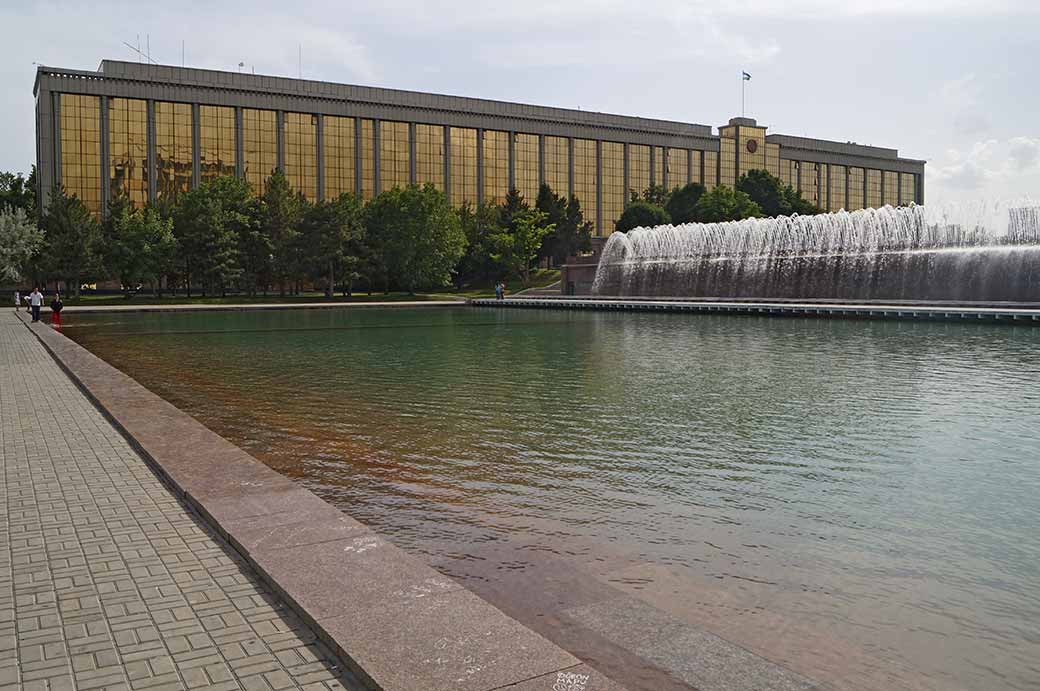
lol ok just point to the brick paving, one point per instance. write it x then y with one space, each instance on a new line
107 580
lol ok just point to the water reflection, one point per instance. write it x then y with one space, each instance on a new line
855 500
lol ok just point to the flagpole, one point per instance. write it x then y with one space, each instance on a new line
742 86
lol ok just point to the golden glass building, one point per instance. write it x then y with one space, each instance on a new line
154 131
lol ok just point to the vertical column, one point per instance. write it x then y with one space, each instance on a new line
866 178
480 166
375 157
624 164
46 190
447 162
570 167
279 130
240 144
358 158
319 155
653 157
103 123
848 175
599 187
664 167
701 157
411 153
819 184
882 175
919 185
196 150
689 166
150 145
512 161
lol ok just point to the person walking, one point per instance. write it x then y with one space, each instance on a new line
498 290
17 300
56 306
35 302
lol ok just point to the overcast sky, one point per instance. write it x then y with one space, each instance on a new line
950 81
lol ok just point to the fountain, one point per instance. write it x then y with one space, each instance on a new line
988 252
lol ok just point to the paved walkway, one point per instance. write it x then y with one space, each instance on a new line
106 579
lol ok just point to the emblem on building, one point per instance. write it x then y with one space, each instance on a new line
752 146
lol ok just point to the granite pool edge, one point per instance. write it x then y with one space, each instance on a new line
396 623
260 307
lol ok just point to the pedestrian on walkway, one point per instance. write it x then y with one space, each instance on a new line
17 300
498 290
56 306
35 302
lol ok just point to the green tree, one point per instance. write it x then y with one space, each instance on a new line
71 238
417 235
773 196
513 205
283 215
571 233
479 225
141 247
725 204
654 194
641 214
682 202
208 221
518 248
20 241
328 230
19 192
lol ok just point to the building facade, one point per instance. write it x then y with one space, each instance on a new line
152 132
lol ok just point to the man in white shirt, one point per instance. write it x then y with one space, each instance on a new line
35 301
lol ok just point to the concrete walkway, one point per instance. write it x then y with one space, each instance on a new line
106 579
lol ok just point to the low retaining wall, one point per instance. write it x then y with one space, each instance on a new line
919 312
396 623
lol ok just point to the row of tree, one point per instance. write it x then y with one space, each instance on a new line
220 236
757 194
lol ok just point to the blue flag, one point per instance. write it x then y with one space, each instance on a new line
747 77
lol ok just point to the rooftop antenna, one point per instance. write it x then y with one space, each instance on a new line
182 52
139 53
148 46
240 66
299 64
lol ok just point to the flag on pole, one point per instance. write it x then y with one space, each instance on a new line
747 77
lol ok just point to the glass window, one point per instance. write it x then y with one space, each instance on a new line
711 169
678 168
429 155
873 189
772 158
217 143
891 188
638 168
557 164
496 166
300 132
173 149
394 164
259 146
856 177
809 181
80 124
907 189
128 149
368 159
752 160
612 155
789 173
837 189
463 166
338 152
526 167
728 167
696 162
658 176
585 178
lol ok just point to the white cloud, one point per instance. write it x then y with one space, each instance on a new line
990 168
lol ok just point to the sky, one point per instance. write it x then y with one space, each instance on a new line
949 81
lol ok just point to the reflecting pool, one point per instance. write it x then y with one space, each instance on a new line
856 501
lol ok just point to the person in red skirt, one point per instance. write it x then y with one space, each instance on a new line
56 306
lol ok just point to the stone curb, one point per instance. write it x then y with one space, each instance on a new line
396 623
257 307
